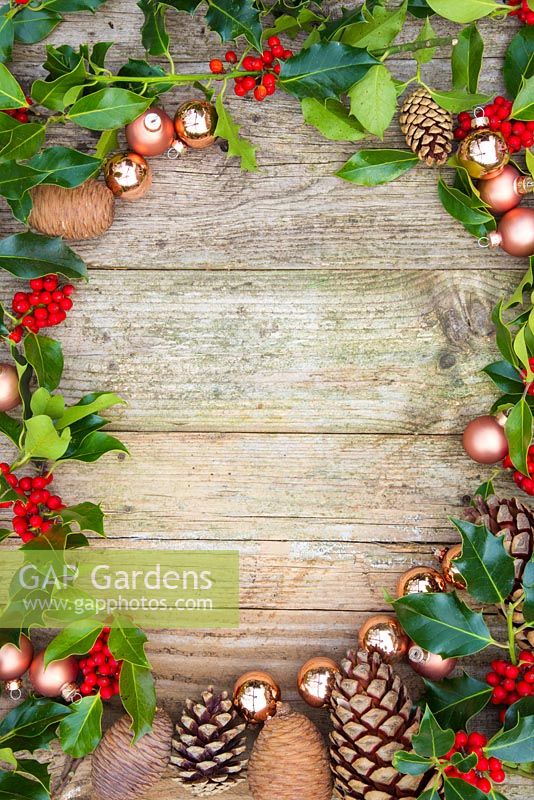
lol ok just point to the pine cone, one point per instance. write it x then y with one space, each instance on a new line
373 717
209 743
514 521
289 760
427 128
80 213
122 770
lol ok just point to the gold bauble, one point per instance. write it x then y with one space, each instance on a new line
483 153
195 123
256 694
420 580
450 570
316 680
383 634
128 176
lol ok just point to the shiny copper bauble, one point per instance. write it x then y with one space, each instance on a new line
195 123
383 634
484 439
420 580
14 661
483 153
316 680
150 134
128 176
451 572
256 694
57 679
515 233
9 387
429 665
504 191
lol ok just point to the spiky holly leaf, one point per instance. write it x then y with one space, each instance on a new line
138 696
154 32
88 517
519 59
31 255
409 763
46 357
528 586
11 94
431 740
32 724
484 564
75 639
455 700
81 731
326 69
515 744
238 146
234 18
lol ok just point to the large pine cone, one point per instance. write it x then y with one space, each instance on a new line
289 760
122 770
80 213
427 128
209 743
514 521
373 717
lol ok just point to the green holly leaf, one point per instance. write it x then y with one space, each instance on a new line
139 68
519 60
528 586
503 334
46 357
443 624
32 724
518 431
522 708
409 763
458 789
67 6
378 29
51 93
81 731
464 11
11 94
16 179
457 100
19 140
454 701
332 119
128 643
466 59
516 744
464 763
32 25
234 18
431 740
91 404
523 107
485 565
154 33
138 697
88 517
505 377
426 54
42 439
38 771
31 255
7 35
238 146
431 794
108 108
14 786
324 70
65 167
373 167
461 206
11 428
75 639
43 402
93 446
373 100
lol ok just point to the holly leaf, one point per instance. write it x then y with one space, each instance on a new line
518 431
138 697
10 427
154 33
11 94
14 786
523 108
32 724
378 29
461 206
65 167
457 100
373 167
458 789
139 68
7 35
431 794
431 740
503 334
51 94
19 140
523 707
464 763
528 586
93 446
43 402
108 108
32 25
88 517
127 643
409 763
46 357
485 489
234 18
467 59
464 10
238 146
42 439
515 744
454 701
91 404
484 564
443 624
75 639
326 69
426 54
505 377
373 100
31 255
16 179
332 119
519 60
81 731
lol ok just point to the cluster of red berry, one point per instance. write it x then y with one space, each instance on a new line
486 770
524 13
266 65
511 682
101 672
44 306
516 133
526 483
20 114
37 512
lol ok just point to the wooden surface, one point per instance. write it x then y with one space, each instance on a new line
299 356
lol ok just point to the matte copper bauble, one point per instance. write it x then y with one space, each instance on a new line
195 123
383 634
429 665
9 387
57 679
256 694
316 680
484 439
14 661
514 234
483 153
150 134
128 176
420 580
504 191
451 572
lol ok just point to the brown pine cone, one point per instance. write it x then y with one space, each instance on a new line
427 128
80 213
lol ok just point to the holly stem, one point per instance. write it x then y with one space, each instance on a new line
418 44
173 78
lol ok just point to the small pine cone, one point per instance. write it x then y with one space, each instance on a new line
427 128
289 760
81 213
514 522
124 771
373 717
209 745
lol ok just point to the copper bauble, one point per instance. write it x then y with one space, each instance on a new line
128 175
316 680
383 634
9 387
150 134
484 439
451 573
504 192
57 679
420 580
195 123
515 233
483 153
256 694
429 665
14 661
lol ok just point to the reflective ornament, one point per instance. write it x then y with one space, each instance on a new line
256 694
484 439
128 176
57 679
383 634
504 191
316 680
483 153
150 134
429 665
420 580
514 234
195 123
9 387
451 572
14 661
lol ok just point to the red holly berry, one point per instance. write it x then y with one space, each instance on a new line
260 92
486 769
524 13
511 681
44 306
266 67
230 57
101 670
216 66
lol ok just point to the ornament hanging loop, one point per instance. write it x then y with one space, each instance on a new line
176 150
14 688
484 241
